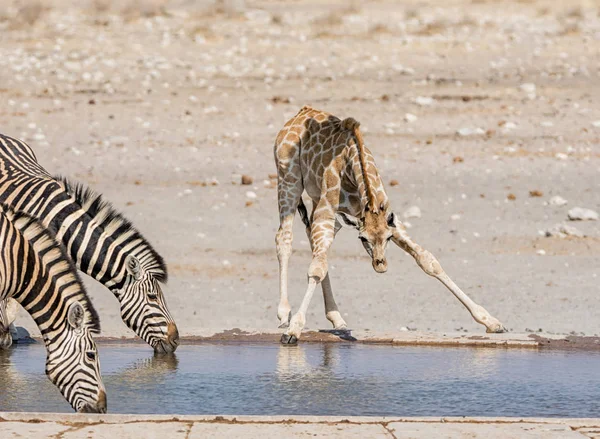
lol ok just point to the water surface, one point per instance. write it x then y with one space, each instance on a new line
321 379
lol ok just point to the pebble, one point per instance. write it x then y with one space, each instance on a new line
582 214
464 132
455 217
410 117
528 87
251 195
564 230
557 200
247 180
596 124
423 101
541 252
412 212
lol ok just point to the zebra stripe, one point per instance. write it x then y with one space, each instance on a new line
36 272
101 241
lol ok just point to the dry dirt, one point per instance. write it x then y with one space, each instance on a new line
162 106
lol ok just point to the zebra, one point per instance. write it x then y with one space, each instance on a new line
100 240
36 271
8 314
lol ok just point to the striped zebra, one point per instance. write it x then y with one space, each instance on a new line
36 271
8 314
101 241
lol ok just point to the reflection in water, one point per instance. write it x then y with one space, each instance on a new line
325 379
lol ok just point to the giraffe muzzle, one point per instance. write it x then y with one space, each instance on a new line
380 265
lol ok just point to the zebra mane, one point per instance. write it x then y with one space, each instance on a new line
54 257
107 216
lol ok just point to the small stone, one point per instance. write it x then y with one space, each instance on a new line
466 131
557 200
511 197
249 203
541 252
561 156
408 117
596 124
412 212
457 159
251 195
455 217
547 123
247 180
423 101
536 193
404 329
582 214
528 87
394 183
564 230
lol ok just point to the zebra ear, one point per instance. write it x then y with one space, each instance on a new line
75 315
12 309
134 267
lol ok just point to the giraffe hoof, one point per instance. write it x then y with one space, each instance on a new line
289 339
496 329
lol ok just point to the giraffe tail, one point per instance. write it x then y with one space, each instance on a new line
303 213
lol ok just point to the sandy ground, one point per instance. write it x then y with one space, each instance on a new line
162 106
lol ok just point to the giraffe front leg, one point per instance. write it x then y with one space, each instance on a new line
430 265
321 238
332 311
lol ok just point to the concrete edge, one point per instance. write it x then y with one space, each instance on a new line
400 338
76 418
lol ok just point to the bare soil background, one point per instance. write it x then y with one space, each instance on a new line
162 106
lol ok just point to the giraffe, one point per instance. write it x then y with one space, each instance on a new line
325 156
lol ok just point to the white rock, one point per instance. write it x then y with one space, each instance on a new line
557 200
509 126
564 230
423 101
528 87
596 124
403 70
541 252
547 123
412 212
455 217
251 195
561 156
582 214
410 117
464 132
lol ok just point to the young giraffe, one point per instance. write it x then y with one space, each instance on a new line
318 153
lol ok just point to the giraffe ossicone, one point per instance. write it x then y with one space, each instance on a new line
325 157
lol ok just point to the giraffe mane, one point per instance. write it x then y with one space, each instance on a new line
353 125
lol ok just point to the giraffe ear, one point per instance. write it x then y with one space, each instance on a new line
348 220
391 219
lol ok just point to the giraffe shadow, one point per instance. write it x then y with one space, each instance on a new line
344 334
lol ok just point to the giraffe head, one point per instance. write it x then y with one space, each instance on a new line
375 230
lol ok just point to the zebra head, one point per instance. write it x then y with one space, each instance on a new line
73 365
8 314
143 307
